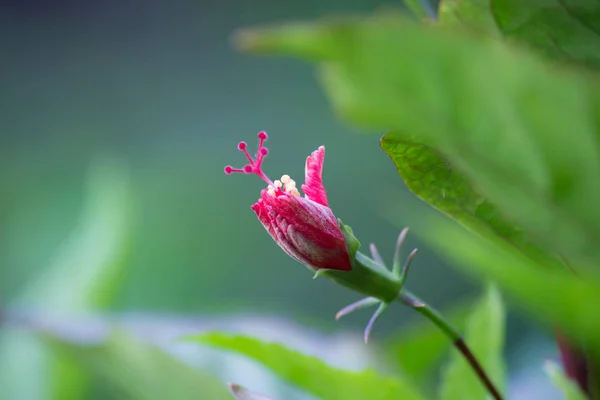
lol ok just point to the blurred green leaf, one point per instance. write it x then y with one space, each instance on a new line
69 380
141 371
417 349
89 267
312 374
429 175
241 393
587 12
567 30
522 132
555 297
473 15
484 335
85 274
569 388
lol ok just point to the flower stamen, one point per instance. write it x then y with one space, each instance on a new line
289 185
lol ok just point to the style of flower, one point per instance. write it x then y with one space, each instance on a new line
304 227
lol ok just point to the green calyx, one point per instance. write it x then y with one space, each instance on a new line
366 276
371 277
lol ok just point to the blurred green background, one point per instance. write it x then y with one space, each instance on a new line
157 88
160 88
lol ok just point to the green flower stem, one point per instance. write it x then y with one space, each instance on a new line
431 314
375 281
366 277
453 334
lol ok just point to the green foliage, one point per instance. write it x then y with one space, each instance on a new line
485 336
70 381
566 30
84 275
521 132
563 30
557 297
139 371
312 374
474 15
88 269
429 175
569 388
418 348
484 130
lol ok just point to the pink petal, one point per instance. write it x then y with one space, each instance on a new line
305 230
272 221
263 215
313 181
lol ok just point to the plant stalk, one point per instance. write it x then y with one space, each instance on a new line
372 279
454 335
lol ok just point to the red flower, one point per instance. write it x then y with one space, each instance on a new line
304 227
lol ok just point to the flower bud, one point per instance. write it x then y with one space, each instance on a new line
304 227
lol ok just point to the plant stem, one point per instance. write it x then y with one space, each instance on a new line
454 335
374 280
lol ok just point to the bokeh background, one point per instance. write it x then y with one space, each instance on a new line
116 120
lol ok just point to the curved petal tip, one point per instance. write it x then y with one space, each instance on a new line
313 182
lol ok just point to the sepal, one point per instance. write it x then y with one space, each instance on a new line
352 243
370 276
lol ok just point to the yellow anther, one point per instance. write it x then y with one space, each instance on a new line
291 184
285 178
294 192
270 187
277 184
271 192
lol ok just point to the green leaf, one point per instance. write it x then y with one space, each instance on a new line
569 388
429 175
587 12
417 349
69 380
88 270
566 30
312 374
522 132
85 274
485 337
471 15
241 393
558 298
141 371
